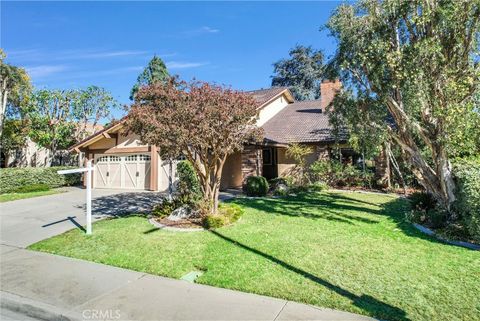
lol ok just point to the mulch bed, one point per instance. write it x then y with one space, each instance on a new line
193 223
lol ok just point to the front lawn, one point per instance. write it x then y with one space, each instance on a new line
341 250
18 196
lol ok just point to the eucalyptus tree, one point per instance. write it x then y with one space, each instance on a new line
15 89
411 70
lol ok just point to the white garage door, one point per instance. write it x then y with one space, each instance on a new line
122 171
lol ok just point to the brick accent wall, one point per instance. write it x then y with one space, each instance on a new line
251 161
328 90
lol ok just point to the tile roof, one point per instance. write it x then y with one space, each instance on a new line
300 122
264 95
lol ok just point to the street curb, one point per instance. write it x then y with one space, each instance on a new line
35 309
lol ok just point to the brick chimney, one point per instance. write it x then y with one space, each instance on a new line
328 89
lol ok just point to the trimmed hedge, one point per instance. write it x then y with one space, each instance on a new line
467 174
256 186
12 179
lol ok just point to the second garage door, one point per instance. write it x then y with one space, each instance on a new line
122 171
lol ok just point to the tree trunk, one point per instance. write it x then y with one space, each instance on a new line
3 98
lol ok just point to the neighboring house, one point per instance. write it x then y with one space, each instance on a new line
33 155
123 161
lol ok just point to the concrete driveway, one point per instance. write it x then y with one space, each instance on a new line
27 221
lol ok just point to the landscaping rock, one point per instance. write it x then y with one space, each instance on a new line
181 213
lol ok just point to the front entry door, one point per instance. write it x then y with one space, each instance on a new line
269 156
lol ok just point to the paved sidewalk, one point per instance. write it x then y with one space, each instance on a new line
53 287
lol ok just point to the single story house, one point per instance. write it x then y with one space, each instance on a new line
125 162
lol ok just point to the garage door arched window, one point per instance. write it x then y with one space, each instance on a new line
131 158
143 157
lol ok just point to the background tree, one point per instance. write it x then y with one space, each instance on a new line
59 118
203 122
302 72
15 89
156 71
411 68
89 107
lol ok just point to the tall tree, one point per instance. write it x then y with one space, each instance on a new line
203 122
302 72
156 71
411 69
15 89
90 106
59 118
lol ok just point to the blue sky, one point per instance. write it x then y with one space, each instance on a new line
76 44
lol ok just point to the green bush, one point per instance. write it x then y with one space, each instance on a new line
422 201
334 173
318 187
256 186
227 214
32 188
188 188
13 178
467 175
165 208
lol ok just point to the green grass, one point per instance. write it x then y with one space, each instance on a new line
346 251
18 196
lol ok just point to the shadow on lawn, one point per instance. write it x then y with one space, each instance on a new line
367 303
332 207
339 207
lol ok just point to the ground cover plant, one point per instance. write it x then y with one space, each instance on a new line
349 251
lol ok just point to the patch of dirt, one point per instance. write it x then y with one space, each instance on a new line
192 223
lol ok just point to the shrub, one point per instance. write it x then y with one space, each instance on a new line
318 187
422 201
333 173
165 208
188 188
13 178
467 174
32 188
256 186
227 214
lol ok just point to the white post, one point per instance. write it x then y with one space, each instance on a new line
88 181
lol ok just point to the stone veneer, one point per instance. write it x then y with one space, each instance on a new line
251 161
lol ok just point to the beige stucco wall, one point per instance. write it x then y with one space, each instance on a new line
286 164
131 140
232 172
104 143
268 111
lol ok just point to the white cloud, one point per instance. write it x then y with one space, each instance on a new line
184 65
74 54
44 70
207 29
201 31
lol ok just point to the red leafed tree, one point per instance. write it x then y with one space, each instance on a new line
201 121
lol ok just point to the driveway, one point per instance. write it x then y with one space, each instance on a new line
27 221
